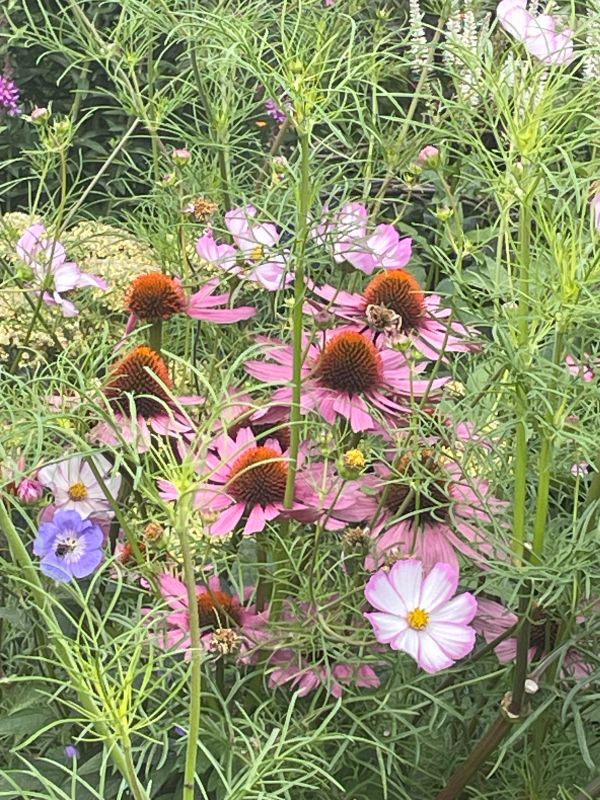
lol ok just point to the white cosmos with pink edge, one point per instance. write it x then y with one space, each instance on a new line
420 616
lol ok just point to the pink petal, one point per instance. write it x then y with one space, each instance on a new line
438 587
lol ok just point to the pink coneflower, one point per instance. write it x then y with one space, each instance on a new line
347 236
257 244
394 304
418 616
493 619
247 480
306 669
52 273
155 296
227 623
10 95
75 487
431 511
348 376
140 383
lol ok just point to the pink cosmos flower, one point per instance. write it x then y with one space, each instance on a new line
139 394
348 375
493 619
75 487
257 243
416 615
431 511
227 623
347 235
247 480
306 669
394 304
52 273
155 296
539 33
586 370
341 502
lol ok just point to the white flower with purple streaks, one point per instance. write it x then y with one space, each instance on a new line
52 273
419 617
69 546
346 234
257 244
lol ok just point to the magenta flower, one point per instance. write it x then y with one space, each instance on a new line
247 480
275 111
347 236
155 296
139 394
346 376
53 274
9 97
340 501
394 304
257 245
539 33
418 616
306 669
493 619
226 622
431 511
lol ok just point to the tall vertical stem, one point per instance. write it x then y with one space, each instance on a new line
189 776
302 224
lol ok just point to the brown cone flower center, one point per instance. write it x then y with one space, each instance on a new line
350 363
396 290
140 377
155 296
258 477
218 609
420 489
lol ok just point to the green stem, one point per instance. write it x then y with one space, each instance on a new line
261 589
189 777
155 336
297 312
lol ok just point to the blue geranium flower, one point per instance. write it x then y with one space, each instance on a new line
69 546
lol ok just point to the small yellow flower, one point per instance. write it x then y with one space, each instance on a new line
355 459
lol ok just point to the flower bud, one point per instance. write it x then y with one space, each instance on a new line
39 115
181 156
429 157
30 491
444 213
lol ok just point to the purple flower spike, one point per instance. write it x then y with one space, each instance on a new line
10 95
69 546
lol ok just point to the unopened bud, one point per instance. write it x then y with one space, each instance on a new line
181 156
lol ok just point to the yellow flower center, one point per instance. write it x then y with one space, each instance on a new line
418 619
258 253
78 491
355 459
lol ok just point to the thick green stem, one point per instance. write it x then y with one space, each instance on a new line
155 336
189 777
302 226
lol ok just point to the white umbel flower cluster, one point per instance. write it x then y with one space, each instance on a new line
591 60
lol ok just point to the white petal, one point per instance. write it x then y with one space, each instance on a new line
438 586
456 641
407 577
408 641
460 610
381 595
431 656
386 626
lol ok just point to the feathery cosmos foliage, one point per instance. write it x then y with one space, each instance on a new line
299 473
